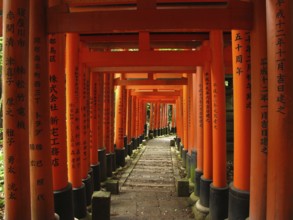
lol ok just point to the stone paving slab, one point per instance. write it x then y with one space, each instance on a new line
147 186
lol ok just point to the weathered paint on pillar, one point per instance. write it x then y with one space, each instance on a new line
72 110
94 118
58 110
119 118
259 113
41 183
107 113
15 110
218 110
242 108
280 128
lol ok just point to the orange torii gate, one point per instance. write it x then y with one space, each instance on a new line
271 121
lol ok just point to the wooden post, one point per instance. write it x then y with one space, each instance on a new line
259 114
15 110
219 188
62 189
107 122
185 124
280 127
112 118
239 190
119 113
95 128
73 124
204 137
41 183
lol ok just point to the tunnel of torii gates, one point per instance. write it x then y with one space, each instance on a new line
114 58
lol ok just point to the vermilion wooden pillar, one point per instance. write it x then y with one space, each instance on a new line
204 142
179 121
156 119
259 113
100 128
119 131
173 122
94 127
86 171
107 122
204 150
124 113
112 118
73 125
185 124
239 189
15 122
190 162
42 205
280 121
129 122
133 121
62 189
151 124
219 189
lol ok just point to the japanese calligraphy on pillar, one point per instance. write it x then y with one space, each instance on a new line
264 105
15 73
215 106
200 101
107 113
242 61
93 110
280 54
207 96
54 98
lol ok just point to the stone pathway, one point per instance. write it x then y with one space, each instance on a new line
147 186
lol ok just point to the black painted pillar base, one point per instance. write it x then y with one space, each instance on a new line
154 133
79 202
137 142
151 132
184 157
63 202
188 163
88 184
96 176
114 167
103 163
178 141
120 157
125 152
130 147
109 165
125 141
198 174
159 132
219 202
238 203
133 141
204 195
